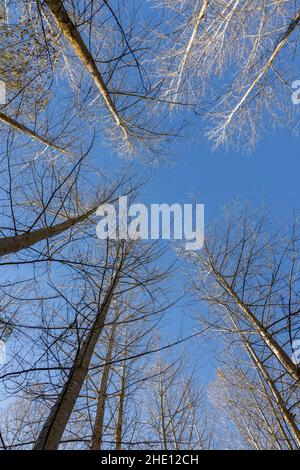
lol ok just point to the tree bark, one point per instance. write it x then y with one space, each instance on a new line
97 436
278 398
25 130
162 412
282 42
69 30
189 46
276 349
14 244
53 429
119 427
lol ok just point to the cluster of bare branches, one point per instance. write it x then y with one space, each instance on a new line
234 61
78 365
85 367
249 275
121 70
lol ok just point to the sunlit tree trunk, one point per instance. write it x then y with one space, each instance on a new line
71 33
277 350
30 133
287 416
97 436
121 399
14 244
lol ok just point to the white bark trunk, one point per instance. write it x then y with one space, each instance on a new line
25 130
74 38
276 349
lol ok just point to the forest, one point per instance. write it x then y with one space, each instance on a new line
133 343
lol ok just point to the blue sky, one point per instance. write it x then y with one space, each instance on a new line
268 174
271 172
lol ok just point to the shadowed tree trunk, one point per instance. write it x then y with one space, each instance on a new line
53 429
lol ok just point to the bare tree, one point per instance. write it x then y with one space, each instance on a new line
248 273
98 428
123 266
234 61
177 416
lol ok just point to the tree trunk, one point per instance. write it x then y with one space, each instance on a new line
189 46
97 436
119 427
19 242
53 429
162 412
25 130
281 355
71 33
278 398
283 41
